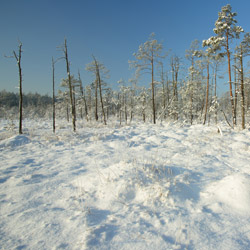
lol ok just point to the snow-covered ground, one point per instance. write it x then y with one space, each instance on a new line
140 186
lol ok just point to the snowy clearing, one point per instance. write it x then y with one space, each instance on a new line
141 186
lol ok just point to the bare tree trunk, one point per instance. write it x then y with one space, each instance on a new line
167 90
125 109
74 100
191 94
67 109
120 105
143 110
53 95
131 104
242 91
207 95
163 91
235 91
89 102
84 97
230 79
81 92
175 72
96 100
153 88
98 79
215 94
73 113
18 59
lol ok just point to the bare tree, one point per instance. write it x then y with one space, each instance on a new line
18 57
207 93
96 67
83 96
53 95
175 66
64 48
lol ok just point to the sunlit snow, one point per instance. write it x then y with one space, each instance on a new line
141 186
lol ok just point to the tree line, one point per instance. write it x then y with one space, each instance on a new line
192 98
10 99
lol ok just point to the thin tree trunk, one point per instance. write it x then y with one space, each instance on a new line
125 108
81 91
235 92
215 93
163 91
230 79
242 91
98 79
191 95
74 100
73 113
131 104
18 59
85 106
153 89
67 109
53 97
96 100
207 95
89 102
83 97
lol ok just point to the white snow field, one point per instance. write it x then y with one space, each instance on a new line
142 186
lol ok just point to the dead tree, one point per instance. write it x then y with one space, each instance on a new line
96 67
98 79
83 97
207 95
18 58
53 95
71 95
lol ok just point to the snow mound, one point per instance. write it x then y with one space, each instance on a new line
15 141
232 191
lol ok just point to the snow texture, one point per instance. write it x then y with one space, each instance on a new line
141 186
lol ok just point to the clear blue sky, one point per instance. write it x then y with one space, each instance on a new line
112 30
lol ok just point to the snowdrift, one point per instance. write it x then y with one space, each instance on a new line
141 186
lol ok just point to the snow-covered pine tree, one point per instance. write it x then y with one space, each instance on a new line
225 30
147 56
192 54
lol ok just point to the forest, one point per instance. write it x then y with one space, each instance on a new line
188 94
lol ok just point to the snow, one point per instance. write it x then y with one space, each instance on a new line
141 186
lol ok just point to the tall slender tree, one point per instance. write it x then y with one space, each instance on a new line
64 48
96 67
147 56
192 54
242 50
83 97
18 57
225 30
53 96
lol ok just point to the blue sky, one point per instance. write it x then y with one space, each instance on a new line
112 30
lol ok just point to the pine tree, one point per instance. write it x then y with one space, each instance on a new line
241 51
147 56
225 30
